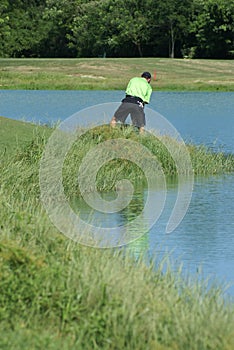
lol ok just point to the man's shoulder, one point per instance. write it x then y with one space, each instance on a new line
138 80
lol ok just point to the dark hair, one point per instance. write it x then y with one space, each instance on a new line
146 75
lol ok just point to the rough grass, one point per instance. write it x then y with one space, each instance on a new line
24 160
55 294
203 160
114 73
72 297
17 134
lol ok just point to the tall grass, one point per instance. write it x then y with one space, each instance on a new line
25 162
55 294
204 161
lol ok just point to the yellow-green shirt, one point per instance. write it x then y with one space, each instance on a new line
139 87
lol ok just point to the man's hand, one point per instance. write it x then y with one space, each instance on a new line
141 104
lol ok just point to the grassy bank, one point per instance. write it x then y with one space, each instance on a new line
203 160
55 294
26 145
17 134
113 74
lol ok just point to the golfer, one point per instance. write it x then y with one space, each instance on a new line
138 93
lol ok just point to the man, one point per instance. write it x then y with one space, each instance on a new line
138 93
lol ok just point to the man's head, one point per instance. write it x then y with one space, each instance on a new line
147 76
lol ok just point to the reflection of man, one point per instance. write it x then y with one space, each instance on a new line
138 93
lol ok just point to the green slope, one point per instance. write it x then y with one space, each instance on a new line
15 134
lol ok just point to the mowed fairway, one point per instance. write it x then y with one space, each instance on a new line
114 73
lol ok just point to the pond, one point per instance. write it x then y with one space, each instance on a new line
204 240
200 117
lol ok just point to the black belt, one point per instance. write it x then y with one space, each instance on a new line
133 99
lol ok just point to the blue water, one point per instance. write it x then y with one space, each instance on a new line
204 240
200 117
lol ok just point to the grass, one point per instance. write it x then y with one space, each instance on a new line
114 73
16 134
71 297
203 160
55 294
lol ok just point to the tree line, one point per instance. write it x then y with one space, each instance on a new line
117 28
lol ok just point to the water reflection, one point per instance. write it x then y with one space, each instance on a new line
123 226
203 241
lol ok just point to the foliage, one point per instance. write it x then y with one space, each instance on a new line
25 28
4 27
173 21
58 16
117 28
213 28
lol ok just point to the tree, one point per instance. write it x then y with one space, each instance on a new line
213 28
87 28
112 26
4 26
173 20
25 27
130 18
58 15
